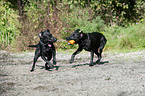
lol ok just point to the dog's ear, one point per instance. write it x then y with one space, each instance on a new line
40 34
81 33
48 30
77 31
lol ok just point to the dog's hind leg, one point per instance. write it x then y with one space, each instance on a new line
99 56
54 57
99 52
92 56
100 49
47 62
46 67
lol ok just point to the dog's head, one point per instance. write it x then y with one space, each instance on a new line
76 36
46 37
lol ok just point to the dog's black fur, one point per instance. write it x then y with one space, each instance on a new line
93 42
45 49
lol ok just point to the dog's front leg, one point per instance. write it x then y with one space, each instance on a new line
54 57
37 55
75 53
92 56
47 62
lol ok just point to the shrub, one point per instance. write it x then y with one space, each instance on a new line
131 37
81 20
8 25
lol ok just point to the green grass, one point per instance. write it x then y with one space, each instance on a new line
121 38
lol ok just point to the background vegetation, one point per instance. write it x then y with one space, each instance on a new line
121 21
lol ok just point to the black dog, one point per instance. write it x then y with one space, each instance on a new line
93 42
45 49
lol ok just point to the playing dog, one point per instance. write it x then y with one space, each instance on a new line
93 42
45 49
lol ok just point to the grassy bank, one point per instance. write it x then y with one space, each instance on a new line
131 37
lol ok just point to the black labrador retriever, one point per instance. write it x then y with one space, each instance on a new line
93 42
45 49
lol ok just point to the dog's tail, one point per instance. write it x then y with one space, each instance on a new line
32 45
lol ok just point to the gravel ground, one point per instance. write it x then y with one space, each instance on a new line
120 74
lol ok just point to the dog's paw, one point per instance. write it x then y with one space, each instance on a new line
31 70
54 62
47 68
51 67
98 61
91 64
70 61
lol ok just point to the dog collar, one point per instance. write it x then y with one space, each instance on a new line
44 43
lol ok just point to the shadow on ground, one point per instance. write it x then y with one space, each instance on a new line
72 66
101 63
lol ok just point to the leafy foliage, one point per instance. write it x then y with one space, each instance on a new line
8 24
118 12
131 37
20 22
79 20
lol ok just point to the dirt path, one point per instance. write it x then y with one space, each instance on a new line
119 75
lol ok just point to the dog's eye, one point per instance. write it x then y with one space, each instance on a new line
73 34
50 35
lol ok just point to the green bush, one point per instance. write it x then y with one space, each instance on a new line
62 18
81 20
131 37
8 25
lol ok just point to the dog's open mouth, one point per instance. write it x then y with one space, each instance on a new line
49 45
